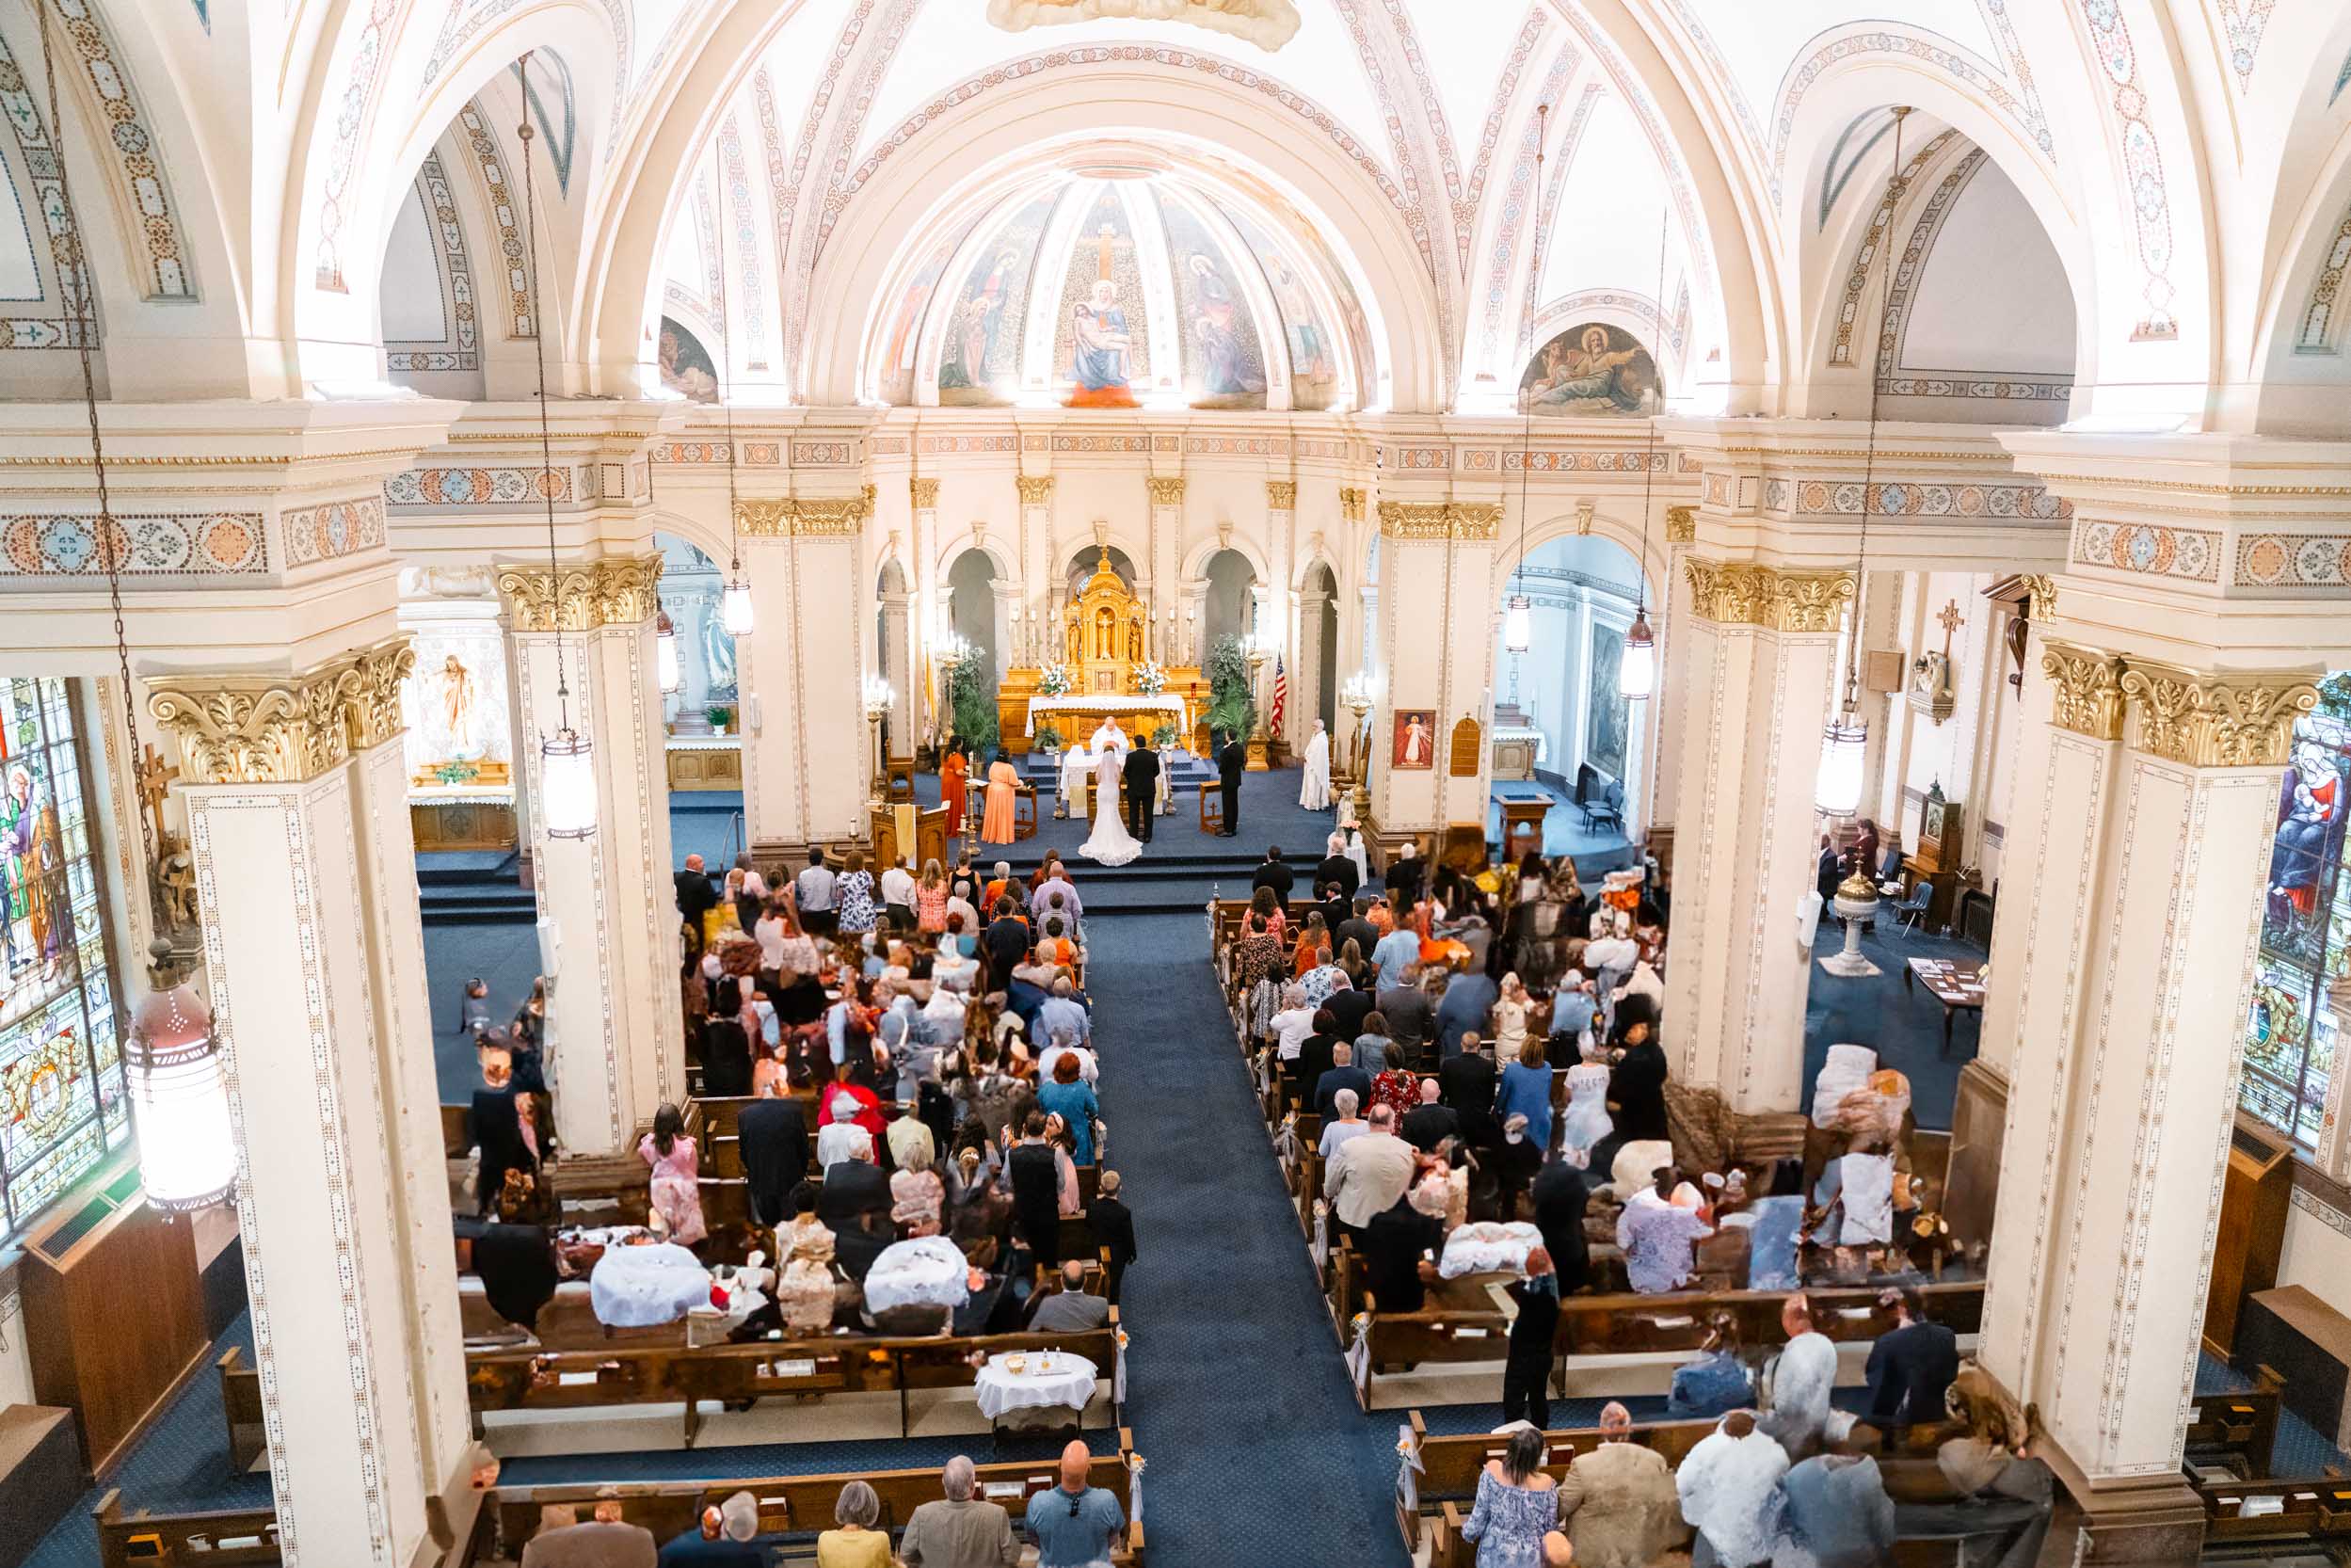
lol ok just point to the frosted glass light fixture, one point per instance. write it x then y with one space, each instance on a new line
187 1152
1517 624
1838 792
734 606
1636 677
567 784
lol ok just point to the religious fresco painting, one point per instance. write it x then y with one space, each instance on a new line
1224 360
1606 737
686 364
2292 1035
1099 352
62 1100
979 353
454 704
1413 749
1314 366
1590 370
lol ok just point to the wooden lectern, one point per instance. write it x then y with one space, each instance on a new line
917 832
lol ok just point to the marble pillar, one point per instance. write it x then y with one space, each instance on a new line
1281 620
1757 660
1166 537
1437 571
931 614
1040 573
296 793
2147 795
608 913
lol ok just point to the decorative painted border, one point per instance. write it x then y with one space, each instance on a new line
965 443
476 487
1865 254
732 168
823 453
455 33
2145 548
491 165
2293 561
1898 498
1408 171
135 146
1561 460
433 190
63 330
2244 21
1100 443
2318 1208
216 544
1947 57
2142 170
351 121
1515 195
334 530
1505 95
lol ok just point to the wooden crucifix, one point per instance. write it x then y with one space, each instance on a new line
152 781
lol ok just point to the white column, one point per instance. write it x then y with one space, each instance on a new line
1166 564
2147 795
931 609
897 666
1436 562
306 883
1281 529
1760 657
1040 574
608 914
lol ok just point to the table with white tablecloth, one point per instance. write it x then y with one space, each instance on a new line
1068 1385
1086 714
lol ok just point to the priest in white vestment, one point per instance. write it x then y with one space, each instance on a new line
1315 793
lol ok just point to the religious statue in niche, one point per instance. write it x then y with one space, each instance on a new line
1593 369
460 712
1101 343
1414 749
1929 689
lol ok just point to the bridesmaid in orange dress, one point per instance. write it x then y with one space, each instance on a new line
952 774
997 826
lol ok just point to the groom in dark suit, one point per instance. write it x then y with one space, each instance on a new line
1143 788
1229 764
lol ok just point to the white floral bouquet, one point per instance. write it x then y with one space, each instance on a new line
1053 681
1150 679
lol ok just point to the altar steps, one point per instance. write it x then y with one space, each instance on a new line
473 888
1184 772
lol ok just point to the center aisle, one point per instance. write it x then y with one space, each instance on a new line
1237 1392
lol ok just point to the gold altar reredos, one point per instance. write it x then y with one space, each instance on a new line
1106 637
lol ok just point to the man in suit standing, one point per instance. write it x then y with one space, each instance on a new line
772 1138
1229 764
1143 788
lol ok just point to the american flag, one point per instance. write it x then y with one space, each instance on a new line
1281 695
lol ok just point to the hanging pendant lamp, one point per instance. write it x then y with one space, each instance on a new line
734 600
568 792
172 1060
1637 676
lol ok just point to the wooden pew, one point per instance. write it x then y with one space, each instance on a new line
226 1538
241 1410
537 1378
2237 1430
2313 1510
796 1508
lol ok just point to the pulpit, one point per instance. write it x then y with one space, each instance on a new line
917 832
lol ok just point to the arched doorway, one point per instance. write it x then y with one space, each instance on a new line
1228 607
1560 714
971 609
691 583
1317 652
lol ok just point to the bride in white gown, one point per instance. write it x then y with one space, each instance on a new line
1109 842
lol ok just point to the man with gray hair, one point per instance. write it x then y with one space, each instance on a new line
1617 1500
959 1533
1064 1011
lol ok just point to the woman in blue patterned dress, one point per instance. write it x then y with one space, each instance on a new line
853 895
1517 1505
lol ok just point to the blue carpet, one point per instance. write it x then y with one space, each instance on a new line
1904 1028
506 956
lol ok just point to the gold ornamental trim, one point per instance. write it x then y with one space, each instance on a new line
1281 495
1441 519
1350 501
1476 519
617 590
261 730
925 493
817 517
2089 689
1730 593
2236 719
1681 525
1037 489
2041 597
1166 489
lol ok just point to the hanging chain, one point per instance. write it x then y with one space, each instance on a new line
1869 460
1527 341
85 318
727 398
546 441
1649 453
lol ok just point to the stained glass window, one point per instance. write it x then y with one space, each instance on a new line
62 1101
2291 1035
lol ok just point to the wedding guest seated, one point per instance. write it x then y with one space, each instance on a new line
723 1539
1910 1368
1618 1500
917 1195
1729 1484
856 1544
961 1532
1069 1310
1428 1123
1344 1074
1716 1383
1659 1239
1834 1514
607 1540
1342 1124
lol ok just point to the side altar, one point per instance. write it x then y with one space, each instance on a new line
1106 662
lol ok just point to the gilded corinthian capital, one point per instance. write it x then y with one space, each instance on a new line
2088 688
1037 489
1681 524
1733 592
1350 503
2231 719
1167 489
618 590
247 729
925 493
1281 495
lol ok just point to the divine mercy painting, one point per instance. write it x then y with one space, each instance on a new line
1415 745
1591 369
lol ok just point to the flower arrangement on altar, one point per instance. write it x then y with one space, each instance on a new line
1150 678
1053 679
